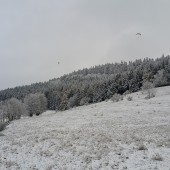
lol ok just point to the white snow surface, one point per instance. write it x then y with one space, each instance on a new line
132 135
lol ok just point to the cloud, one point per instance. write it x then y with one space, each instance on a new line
36 35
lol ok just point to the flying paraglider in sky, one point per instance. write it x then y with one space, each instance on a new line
138 34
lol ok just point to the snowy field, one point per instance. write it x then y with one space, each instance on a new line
132 135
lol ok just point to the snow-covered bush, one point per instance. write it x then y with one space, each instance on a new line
160 79
1 134
12 109
35 103
64 102
148 87
3 115
117 97
2 126
84 101
149 96
142 147
73 101
129 98
157 157
126 92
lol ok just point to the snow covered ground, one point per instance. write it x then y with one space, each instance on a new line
132 135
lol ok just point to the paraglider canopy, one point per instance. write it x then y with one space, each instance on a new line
138 34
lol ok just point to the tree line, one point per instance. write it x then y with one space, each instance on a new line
92 85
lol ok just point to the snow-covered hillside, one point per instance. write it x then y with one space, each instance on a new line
130 135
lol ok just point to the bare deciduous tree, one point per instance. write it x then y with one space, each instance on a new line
35 103
149 88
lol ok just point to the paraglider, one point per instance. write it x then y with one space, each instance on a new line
138 34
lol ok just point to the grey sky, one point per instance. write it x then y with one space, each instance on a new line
37 34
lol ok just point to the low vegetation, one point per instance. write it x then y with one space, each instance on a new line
117 97
157 157
129 98
2 126
142 147
148 87
34 104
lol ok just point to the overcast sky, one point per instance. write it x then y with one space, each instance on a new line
37 34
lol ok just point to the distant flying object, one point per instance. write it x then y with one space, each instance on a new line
58 62
138 34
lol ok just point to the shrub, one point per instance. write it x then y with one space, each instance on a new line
1 134
157 157
160 79
129 98
73 101
2 126
12 109
150 95
117 97
35 103
126 92
84 101
149 88
142 147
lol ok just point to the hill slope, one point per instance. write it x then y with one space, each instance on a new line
97 83
124 135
